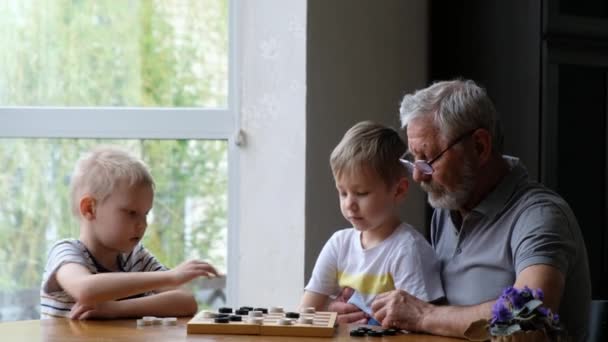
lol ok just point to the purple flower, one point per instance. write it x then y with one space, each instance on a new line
510 292
521 298
501 311
509 310
538 294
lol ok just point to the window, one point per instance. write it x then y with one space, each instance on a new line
152 76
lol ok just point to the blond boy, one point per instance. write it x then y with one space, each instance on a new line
380 253
107 273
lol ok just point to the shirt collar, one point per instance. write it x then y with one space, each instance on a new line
495 201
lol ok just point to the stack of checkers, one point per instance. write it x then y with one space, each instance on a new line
262 321
151 320
363 331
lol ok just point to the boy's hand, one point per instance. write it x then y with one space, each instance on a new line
85 311
191 269
347 313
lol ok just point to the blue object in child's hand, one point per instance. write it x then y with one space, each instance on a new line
372 321
358 301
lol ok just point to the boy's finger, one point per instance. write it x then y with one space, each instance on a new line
352 317
361 321
350 308
76 311
211 269
347 292
340 307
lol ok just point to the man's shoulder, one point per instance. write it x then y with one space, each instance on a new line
533 190
535 196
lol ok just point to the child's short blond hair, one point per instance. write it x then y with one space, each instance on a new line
98 172
373 145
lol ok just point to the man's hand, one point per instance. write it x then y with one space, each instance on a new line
347 313
191 269
399 309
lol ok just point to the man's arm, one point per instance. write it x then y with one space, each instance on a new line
170 303
402 310
547 278
91 289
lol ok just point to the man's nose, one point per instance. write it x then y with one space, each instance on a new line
420 176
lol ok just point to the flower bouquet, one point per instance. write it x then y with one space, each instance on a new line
517 315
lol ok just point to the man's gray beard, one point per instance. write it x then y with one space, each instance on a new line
438 197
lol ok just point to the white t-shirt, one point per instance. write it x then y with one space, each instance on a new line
404 260
54 301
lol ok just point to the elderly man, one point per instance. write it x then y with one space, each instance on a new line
492 227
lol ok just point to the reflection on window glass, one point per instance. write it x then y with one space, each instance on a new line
142 53
188 219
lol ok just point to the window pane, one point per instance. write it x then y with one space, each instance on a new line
188 219
135 53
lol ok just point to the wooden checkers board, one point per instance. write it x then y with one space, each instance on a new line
323 325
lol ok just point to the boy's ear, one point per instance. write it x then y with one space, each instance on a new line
87 207
402 187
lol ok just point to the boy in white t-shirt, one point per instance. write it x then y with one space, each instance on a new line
380 253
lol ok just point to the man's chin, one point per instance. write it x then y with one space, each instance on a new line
442 202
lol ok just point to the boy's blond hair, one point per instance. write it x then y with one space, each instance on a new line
98 172
373 145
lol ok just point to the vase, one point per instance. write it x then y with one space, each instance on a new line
523 336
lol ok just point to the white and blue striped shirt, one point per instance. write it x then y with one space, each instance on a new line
54 301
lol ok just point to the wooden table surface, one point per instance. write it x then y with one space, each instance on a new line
127 330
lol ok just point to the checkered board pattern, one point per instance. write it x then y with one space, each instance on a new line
323 326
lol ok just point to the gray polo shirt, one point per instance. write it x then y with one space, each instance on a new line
519 224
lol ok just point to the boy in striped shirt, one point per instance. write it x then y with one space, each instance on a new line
107 273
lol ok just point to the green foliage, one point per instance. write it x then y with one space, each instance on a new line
163 53
35 209
150 53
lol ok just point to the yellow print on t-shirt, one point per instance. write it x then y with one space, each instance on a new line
368 284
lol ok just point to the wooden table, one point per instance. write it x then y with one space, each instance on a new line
51 330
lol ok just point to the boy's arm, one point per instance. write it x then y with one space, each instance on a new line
166 304
90 289
313 299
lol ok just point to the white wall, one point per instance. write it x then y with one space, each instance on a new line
309 70
273 117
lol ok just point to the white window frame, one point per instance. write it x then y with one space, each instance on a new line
149 123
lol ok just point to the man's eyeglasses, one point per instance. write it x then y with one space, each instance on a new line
426 166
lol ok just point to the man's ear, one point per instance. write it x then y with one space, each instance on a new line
87 207
401 189
483 145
